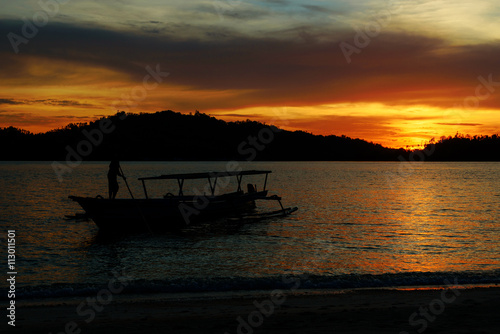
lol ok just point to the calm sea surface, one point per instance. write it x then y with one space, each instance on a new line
358 224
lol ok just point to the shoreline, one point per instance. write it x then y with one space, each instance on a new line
126 297
379 310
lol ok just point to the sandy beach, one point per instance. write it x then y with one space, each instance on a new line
470 310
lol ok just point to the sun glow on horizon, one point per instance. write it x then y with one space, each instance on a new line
409 127
391 126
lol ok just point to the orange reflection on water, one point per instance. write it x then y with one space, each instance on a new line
411 219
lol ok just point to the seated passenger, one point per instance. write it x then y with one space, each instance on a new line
251 188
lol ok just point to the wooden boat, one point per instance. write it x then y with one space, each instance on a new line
174 212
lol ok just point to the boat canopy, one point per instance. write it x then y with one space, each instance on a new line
204 175
210 176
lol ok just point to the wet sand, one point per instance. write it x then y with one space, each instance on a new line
472 310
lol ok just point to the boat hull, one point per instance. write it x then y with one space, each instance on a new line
163 214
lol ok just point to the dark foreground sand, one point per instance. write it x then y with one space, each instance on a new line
473 310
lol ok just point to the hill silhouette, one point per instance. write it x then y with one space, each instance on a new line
168 135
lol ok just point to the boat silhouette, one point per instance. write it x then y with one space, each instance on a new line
177 211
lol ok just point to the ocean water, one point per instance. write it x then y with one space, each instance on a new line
359 224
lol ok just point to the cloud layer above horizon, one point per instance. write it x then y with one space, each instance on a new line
394 72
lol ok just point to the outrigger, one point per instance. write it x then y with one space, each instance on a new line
177 211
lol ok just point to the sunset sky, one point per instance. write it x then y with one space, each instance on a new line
393 72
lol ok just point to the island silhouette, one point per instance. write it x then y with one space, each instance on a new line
172 136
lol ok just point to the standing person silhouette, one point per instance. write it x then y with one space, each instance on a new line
113 173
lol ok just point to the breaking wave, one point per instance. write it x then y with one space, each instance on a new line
301 281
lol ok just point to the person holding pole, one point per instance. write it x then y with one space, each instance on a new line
113 173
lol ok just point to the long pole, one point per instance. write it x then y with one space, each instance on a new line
125 179
132 195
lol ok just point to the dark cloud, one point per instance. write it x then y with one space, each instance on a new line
237 115
322 9
461 124
73 117
244 14
52 102
305 68
9 101
67 103
278 2
232 10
